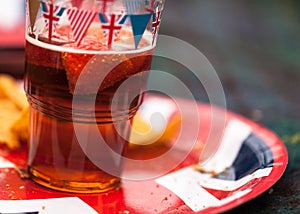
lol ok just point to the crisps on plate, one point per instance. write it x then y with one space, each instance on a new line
20 127
14 113
14 119
10 90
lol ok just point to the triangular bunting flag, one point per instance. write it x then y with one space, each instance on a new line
139 24
52 15
80 20
155 24
111 25
34 6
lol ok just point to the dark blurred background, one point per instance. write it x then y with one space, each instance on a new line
254 47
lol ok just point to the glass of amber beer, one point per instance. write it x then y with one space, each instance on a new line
85 50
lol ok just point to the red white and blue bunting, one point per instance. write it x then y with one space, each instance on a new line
52 15
139 24
111 23
80 20
156 20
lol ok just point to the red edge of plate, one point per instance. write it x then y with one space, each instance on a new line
271 139
280 155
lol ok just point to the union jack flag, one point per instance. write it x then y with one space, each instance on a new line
156 19
52 15
112 25
80 21
242 161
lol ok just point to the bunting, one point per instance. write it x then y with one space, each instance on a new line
52 16
156 19
33 7
139 24
112 25
80 20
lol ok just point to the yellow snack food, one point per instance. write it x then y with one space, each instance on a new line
152 126
8 114
10 89
14 114
20 127
14 119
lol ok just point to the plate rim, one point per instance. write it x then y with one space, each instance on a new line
280 163
279 151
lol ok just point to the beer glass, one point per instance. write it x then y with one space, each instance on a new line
78 53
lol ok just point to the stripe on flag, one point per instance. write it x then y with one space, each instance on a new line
80 20
132 6
156 19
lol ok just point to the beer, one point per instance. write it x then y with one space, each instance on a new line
64 137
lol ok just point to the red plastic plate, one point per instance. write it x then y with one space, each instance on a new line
148 196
